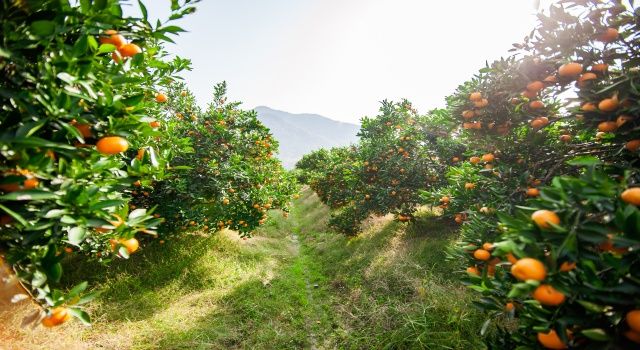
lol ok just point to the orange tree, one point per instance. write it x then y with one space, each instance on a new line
564 264
77 100
229 178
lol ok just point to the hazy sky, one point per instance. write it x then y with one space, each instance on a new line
339 58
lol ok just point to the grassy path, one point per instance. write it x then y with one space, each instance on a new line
293 286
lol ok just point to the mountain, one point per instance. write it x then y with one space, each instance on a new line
299 134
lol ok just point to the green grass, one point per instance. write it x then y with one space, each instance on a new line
294 285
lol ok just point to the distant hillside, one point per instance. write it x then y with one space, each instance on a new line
299 134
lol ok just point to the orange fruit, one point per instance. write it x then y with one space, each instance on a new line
608 104
154 124
112 37
589 107
544 218
565 138
570 70
600 67
551 340
587 77
489 157
509 306
481 103
633 336
455 159
633 320
161 98
545 294
57 317
129 50
487 246
537 104
225 201
475 96
474 160
131 244
468 114
84 129
609 35
473 270
140 154
183 93
535 86
469 186
633 145
112 145
529 94
529 269
623 119
567 266
444 199
608 126
511 258
631 196
482 254
551 79
539 122
533 192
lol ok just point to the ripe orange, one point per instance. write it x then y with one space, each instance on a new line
131 244
469 186
551 340
84 129
589 107
112 145
623 119
161 98
633 145
474 160
468 114
608 126
633 320
487 246
473 270
544 218
481 103
475 96
537 104
511 258
482 254
567 266
509 306
489 157
609 35
183 93
533 192
539 122
608 104
631 196
547 295
112 37
633 336
551 79
565 138
57 317
535 86
455 159
129 50
600 67
529 269
587 77
570 70
154 124
225 201
529 94
444 199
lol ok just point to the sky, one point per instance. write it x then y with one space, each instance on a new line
339 58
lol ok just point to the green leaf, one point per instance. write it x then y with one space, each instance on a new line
107 204
78 289
584 161
55 213
29 195
104 48
77 235
87 298
596 334
81 315
137 213
39 278
54 272
43 28
66 77
15 215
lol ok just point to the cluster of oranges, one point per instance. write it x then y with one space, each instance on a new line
124 49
